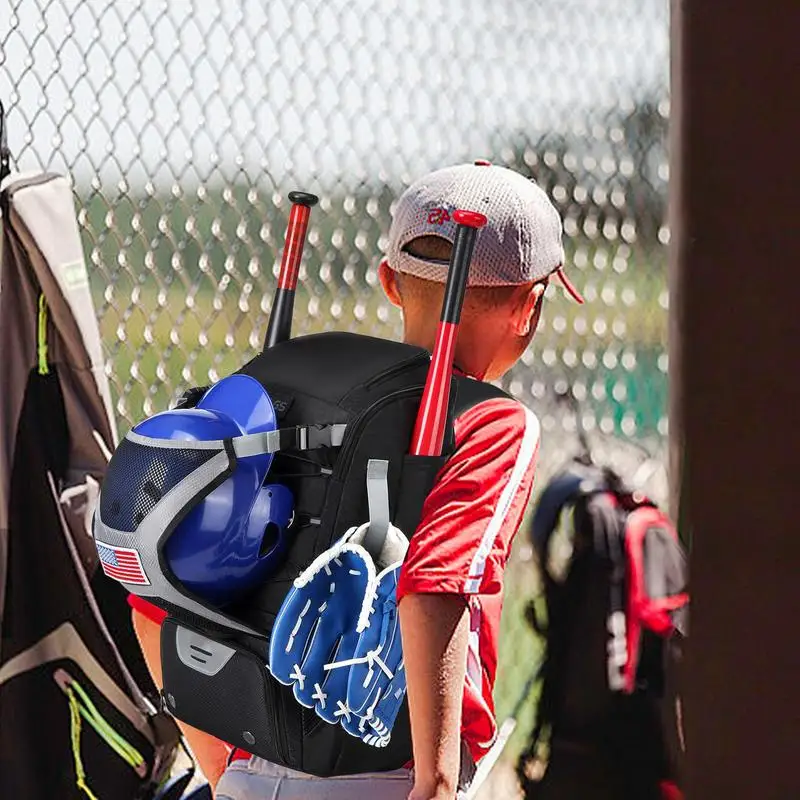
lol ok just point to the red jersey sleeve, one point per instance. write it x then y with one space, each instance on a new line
476 506
153 613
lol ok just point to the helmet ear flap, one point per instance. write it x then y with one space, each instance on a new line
270 539
273 513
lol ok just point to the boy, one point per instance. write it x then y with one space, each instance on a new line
450 592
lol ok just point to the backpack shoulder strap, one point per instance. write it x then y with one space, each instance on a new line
470 393
657 596
577 480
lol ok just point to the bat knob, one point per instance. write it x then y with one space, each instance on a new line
303 198
471 219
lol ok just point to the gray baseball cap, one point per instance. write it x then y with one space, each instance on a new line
521 242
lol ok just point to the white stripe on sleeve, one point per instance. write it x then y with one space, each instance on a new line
527 451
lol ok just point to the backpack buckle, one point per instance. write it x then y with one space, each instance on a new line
312 437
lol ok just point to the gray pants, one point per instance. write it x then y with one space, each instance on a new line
258 779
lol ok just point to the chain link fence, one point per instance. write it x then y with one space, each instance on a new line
184 125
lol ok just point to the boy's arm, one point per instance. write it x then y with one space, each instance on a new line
435 630
211 753
459 550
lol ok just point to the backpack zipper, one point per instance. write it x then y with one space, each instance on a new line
354 429
277 703
396 369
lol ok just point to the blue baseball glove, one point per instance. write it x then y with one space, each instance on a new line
317 637
317 623
377 683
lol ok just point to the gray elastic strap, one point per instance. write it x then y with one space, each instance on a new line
173 444
378 499
254 444
302 437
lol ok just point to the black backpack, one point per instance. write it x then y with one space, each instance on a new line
615 621
374 387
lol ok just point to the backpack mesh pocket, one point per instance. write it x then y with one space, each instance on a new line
138 476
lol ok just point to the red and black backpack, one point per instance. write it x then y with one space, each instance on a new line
608 716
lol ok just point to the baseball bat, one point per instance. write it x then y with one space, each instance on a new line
279 327
429 428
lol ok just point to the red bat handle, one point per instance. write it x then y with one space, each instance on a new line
279 327
429 429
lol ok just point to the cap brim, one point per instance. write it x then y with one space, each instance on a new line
244 400
569 286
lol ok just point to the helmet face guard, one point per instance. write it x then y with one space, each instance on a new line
184 515
206 488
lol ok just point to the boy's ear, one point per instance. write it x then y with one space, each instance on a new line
388 278
527 318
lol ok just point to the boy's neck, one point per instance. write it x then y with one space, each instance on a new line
461 365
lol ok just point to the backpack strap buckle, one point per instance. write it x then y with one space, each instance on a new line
312 437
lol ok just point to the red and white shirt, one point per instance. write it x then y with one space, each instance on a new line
464 539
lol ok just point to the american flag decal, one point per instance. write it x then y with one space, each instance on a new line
122 564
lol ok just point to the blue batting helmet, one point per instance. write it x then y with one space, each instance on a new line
185 491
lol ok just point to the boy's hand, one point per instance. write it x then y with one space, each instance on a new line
435 630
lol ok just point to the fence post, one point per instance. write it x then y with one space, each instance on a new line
735 381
